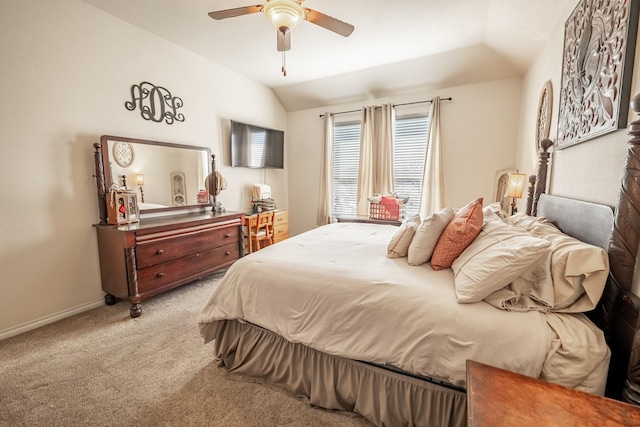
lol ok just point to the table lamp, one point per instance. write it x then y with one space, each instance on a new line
515 185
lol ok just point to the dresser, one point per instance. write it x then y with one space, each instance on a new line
280 226
142 259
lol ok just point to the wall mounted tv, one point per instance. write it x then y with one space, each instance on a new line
256 147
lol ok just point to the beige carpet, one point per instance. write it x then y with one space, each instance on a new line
102 368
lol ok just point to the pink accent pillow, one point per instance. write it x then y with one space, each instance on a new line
461 231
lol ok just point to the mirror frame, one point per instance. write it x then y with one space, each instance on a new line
105 179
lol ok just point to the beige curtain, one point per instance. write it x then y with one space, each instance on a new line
432 196
383 154
365 168
375 173
325 196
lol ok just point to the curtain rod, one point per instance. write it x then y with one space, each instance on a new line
395 105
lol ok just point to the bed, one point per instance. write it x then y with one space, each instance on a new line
377 341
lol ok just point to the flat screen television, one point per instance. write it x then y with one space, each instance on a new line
256 147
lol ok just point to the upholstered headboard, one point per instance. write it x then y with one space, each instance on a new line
588 222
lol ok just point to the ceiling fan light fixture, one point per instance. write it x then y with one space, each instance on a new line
284 14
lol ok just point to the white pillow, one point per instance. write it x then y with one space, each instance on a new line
427 235
399 244
499 255
579 270
493 212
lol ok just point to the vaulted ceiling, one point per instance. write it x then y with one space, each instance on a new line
397 46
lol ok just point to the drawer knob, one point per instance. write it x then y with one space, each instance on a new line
227 235
227 253
160 252
160 274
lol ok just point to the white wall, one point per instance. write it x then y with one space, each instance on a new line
65 74
479 128
587 171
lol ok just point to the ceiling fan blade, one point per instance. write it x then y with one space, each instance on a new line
284 40
238 11
328 22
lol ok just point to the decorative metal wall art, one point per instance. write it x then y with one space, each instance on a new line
543 121
598 55
155 102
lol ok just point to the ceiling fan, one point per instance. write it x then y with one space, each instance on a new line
285 15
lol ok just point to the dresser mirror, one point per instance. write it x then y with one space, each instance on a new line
165 176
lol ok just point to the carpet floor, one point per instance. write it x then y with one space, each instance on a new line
102 368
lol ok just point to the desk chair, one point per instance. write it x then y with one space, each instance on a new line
262 230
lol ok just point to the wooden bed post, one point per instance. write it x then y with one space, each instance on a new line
541 179
100 184
621 304
532 184
213 183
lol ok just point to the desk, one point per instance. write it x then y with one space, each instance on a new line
500 398
280 227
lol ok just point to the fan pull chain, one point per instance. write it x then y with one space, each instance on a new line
284 64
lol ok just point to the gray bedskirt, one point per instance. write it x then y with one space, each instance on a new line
384 397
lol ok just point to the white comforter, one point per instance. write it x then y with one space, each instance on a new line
335 290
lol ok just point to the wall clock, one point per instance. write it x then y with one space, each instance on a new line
543 122
123 153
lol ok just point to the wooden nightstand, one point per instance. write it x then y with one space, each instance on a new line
499 398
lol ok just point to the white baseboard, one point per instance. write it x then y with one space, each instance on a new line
34 324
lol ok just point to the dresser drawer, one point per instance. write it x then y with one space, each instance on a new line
280 218
157 276
167 248
280 232
280 238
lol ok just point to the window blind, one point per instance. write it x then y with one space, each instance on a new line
346 158
409 154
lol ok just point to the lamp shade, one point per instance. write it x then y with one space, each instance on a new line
284 14
140 179
515 185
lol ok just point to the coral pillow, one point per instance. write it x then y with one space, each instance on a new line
461 231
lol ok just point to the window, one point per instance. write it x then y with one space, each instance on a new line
346 158
258 142
409 153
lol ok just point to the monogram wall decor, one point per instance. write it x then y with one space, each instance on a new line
597 66
155 103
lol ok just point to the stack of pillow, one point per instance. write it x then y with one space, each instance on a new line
441 237
516 263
